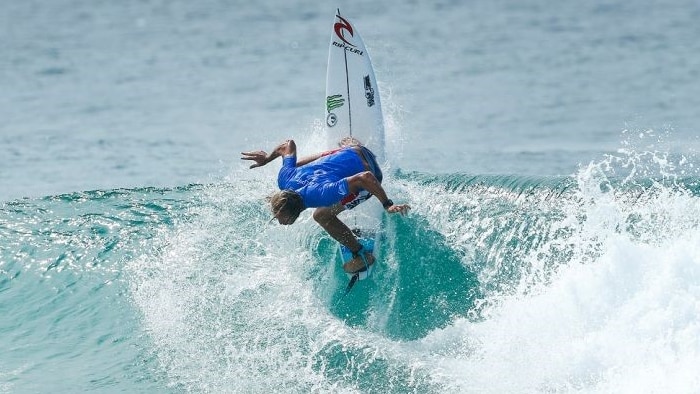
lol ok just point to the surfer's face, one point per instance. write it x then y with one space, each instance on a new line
285 218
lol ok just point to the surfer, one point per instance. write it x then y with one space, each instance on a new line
331 182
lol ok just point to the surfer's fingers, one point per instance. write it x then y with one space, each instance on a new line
258 157
253 154
403 209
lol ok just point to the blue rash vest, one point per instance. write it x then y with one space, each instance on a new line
323 182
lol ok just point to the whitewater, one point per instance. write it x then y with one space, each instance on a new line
548 151
492 284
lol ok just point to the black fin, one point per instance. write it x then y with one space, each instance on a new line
352 282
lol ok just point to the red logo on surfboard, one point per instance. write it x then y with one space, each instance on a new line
343 25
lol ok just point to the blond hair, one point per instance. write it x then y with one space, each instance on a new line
287 201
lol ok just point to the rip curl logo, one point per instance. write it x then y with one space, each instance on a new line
343 25
340 29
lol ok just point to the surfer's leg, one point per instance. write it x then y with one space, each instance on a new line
327 217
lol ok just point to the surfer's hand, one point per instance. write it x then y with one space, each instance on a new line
399 208
259 157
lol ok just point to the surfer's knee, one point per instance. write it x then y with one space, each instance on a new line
321 215
325 214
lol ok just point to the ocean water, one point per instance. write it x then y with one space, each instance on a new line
548 149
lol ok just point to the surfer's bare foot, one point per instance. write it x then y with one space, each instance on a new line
357 264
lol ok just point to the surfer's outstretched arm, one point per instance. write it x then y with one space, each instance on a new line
344 143
309 159
287 148
261 158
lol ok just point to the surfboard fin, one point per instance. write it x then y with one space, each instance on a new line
356 275
352 282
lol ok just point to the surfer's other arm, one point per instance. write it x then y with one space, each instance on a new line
367 181
287 148
260 157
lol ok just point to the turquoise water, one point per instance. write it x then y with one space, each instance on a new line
492 284
549 152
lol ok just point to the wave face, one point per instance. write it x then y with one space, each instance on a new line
491 284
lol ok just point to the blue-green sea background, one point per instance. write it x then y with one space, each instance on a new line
548 149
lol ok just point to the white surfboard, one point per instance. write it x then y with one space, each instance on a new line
353 108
